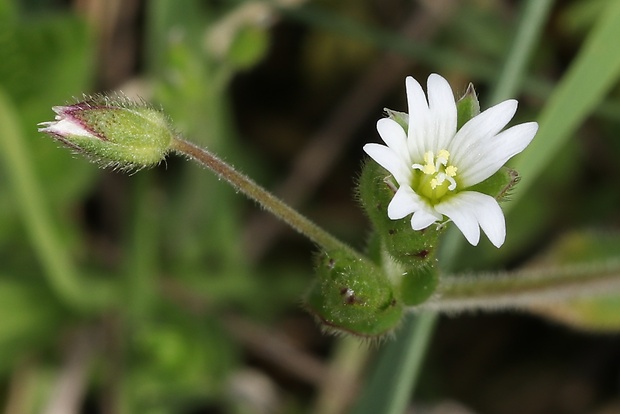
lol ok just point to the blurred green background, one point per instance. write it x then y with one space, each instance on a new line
165 292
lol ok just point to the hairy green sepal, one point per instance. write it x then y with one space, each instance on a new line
353 295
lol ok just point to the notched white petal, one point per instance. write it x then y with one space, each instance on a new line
506 145
475 136
418 118
389 160
404 202
491 217
470 211
421 219
442 122
395 137
463 213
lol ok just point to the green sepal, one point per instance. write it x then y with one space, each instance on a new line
353 295
411 248
467 107
135 136
401 118
418 284
499 184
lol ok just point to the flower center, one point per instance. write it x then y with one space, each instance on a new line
435 177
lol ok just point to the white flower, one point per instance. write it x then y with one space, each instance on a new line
434 164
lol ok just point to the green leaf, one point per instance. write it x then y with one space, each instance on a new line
29 316
248 46
590 77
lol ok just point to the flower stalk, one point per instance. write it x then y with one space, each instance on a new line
526 287
263 197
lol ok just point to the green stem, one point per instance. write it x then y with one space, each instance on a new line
267 200
525 287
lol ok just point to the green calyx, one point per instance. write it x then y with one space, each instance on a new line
406 246
353 295
407 256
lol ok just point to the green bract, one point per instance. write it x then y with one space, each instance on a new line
113 132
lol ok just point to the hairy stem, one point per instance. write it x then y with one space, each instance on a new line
267 200
526 287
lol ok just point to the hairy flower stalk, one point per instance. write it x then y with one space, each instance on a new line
435 166
261 196
119 133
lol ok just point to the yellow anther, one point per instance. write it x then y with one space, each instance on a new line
438 175
444 154
429 169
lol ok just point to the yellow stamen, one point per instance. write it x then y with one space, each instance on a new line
438 175
429 169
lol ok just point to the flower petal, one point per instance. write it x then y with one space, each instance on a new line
404 202
418 119
491 218
66 127
442 113
462 211
389 160
395 137
475 136
421 219
506 145
470 210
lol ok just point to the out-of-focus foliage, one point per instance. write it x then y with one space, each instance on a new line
159 261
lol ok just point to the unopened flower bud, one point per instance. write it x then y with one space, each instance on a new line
114 132
353 296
